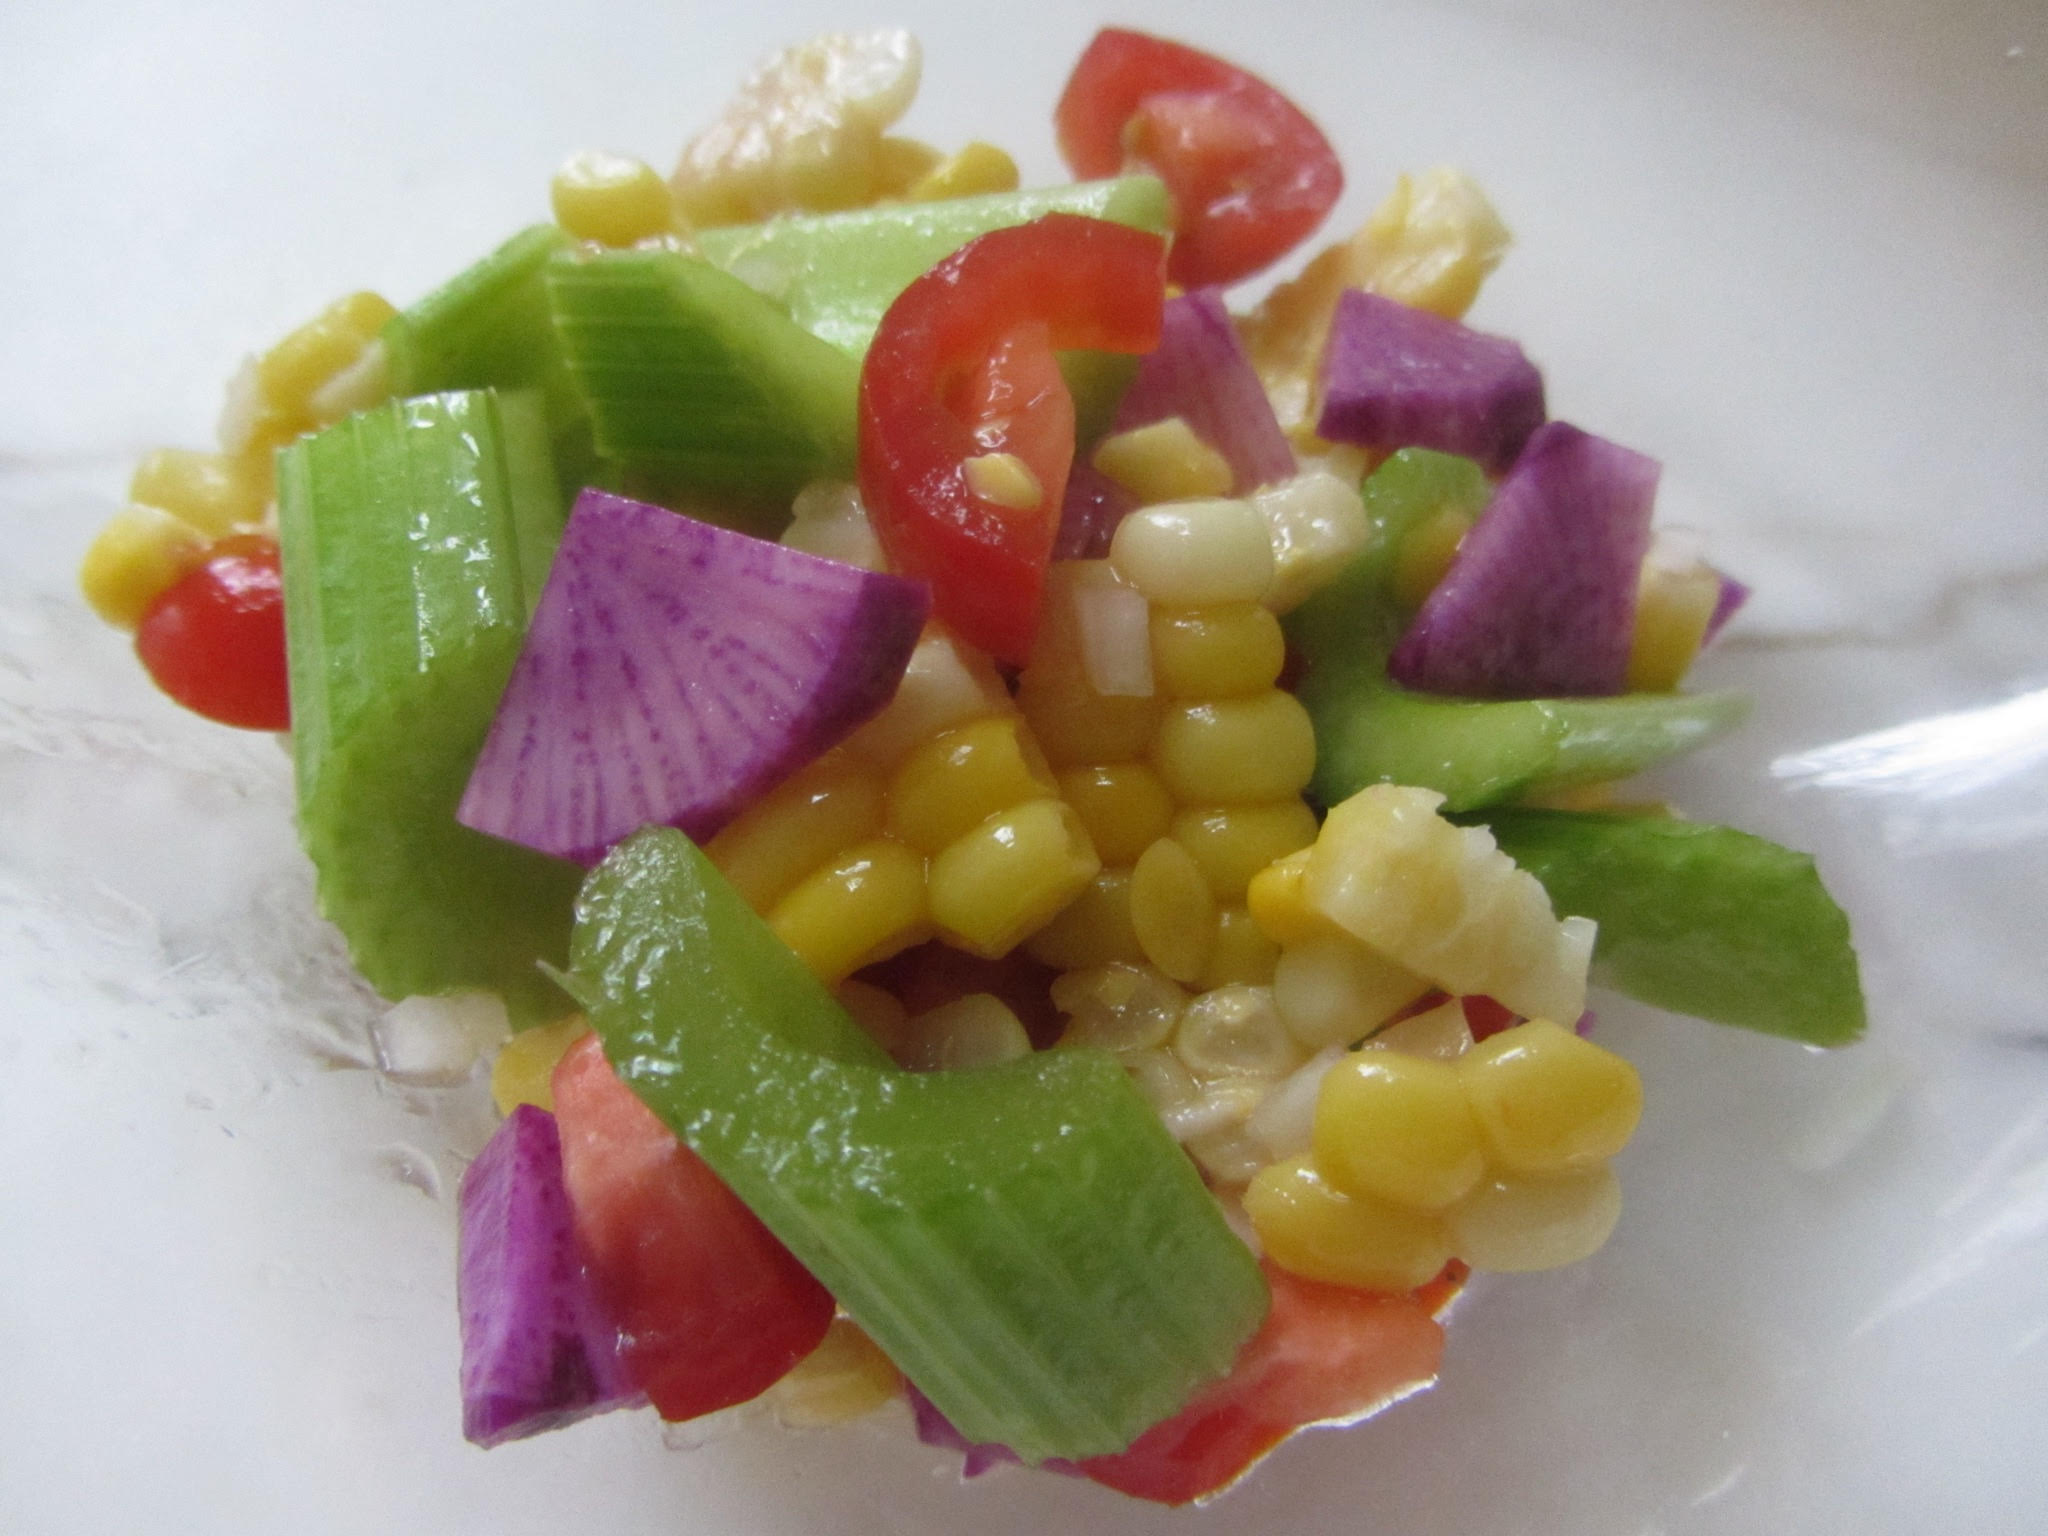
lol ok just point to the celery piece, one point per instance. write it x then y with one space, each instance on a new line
699 387
1474 752
415 536
1698 919
489 327
1025 1241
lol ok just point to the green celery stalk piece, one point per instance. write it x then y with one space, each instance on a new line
1025 1241
1473 752
489 327
1699 919
700 388
415 537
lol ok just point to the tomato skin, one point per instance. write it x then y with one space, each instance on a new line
214 639
712 1309
963 365
1325 1354
1250 175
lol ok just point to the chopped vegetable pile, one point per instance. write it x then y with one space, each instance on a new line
1043 840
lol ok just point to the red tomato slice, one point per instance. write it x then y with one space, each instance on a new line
1249 173
963 365
1325 1355
712 1308
214 640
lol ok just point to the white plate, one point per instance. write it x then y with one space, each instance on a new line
1794 251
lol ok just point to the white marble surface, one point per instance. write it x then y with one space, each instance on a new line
1794 250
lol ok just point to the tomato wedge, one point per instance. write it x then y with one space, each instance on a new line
963 366
712 1308
214 639
1325 1355
1250 175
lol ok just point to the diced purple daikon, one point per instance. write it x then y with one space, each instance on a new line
1398 377
1727 604
1201 373
1541 597
673 672
537 1349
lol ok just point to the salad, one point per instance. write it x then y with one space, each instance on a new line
1037 842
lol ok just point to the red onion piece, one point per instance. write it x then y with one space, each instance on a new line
1201 373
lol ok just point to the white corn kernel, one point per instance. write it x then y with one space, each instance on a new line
1235 1032
1118 1007
1189 553
978 1030
1316 523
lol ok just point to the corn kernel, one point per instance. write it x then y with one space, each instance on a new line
1168 1086
864 906
1548 1102
1190 553
1221 651
1309 1226
978 1030
1243 955
950 785
1316 523
945 684
901 162
1078 726
137 557
1172 910
1332 990
797 827
611 199
1230 1157
846 1376
1235 751
1123 805
1285 1121
827 519
1515 1225
525 1068
1231 843
1673 609
1426 555
1164 462
1441 1033
1279 905
212 492
1010 875
1397 1127
1092 929
972 170
1118 1007
1235 1032
296 367
878 1013
1004 480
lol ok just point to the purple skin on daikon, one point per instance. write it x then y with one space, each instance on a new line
1397 377
1540 599
673 672
537 1349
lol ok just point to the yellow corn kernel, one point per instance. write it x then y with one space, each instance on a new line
1123 805
877 1012
1235 1032
862 907
1003 479
1118 1007
1009 876
212 492
1397 1127
138 556
525 1068
1220 651
293 370
978 1030
798 827
1333 990
1192 553
1172 910
1078 726
1548 1102
1164 462
1092 929
1311 1227
1243 955
1279 905
611 199
846 1376
1231 843
1517 1225
1426 554
946 684
975 168
1441 1033
1673 609
950 785
901 162
1235 751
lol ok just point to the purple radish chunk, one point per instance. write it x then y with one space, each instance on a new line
1396 377
1201 373
537 1350
1541 597
674 671
1732 596
935 1429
